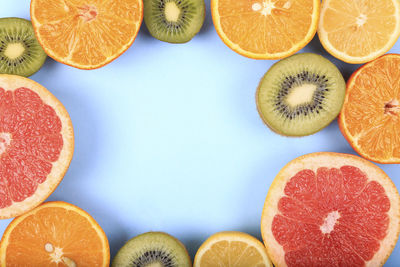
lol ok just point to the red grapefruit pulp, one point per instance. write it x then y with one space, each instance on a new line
329 209
36 144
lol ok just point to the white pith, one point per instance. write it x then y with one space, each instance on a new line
5 141
330 222
172 11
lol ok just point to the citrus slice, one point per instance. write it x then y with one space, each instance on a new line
232 249
54 234
266 29
358 31
370 118
36 144
86 34
331 209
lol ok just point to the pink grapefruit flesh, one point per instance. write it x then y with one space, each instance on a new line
328 209
36 144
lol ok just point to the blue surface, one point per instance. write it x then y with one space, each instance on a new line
168 138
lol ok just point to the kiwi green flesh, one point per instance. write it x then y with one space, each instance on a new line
152 249
20 52
301 95
174 21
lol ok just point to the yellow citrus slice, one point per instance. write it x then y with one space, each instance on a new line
86 34
358 31
36 144
54 234
232 249
266 29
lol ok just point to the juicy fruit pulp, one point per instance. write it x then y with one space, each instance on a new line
345 24
152 249
370 118
36 143
30 138
333 216
232 249
86 34
300 95
20 52
54 234
266 29
174 21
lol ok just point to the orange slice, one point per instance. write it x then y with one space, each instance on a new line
358 31
331 209
54 234
36 144
370 118
232 249
266 29
86 34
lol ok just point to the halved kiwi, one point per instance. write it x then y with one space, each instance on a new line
152 249
174 21
20 52
300 95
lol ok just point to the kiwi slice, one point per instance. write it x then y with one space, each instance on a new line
152 249
300 95
20 52
174 21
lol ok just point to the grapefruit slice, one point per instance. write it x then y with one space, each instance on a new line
86 34
36 144
370 118
266 29
54 234
330 209
232 249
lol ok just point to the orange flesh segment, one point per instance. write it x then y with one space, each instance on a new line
266 27
371 113
87 33
38 237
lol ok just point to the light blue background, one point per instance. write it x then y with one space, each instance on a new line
168 138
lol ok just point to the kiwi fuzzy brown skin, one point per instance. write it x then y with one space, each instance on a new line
26 64
125 256
259 109
176 39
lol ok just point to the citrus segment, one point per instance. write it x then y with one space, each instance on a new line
370 118
54 234
266 29
86 34
328 209
359 31
36 144
232 249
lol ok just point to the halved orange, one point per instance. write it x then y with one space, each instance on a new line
36 144
54 234
266 29
331 209
232 249
370 117
358 31
86 34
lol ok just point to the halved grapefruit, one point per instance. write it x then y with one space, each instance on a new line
36 144
330 209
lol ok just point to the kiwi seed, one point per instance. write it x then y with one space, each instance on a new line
20 52
152 249
174 21
301 95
